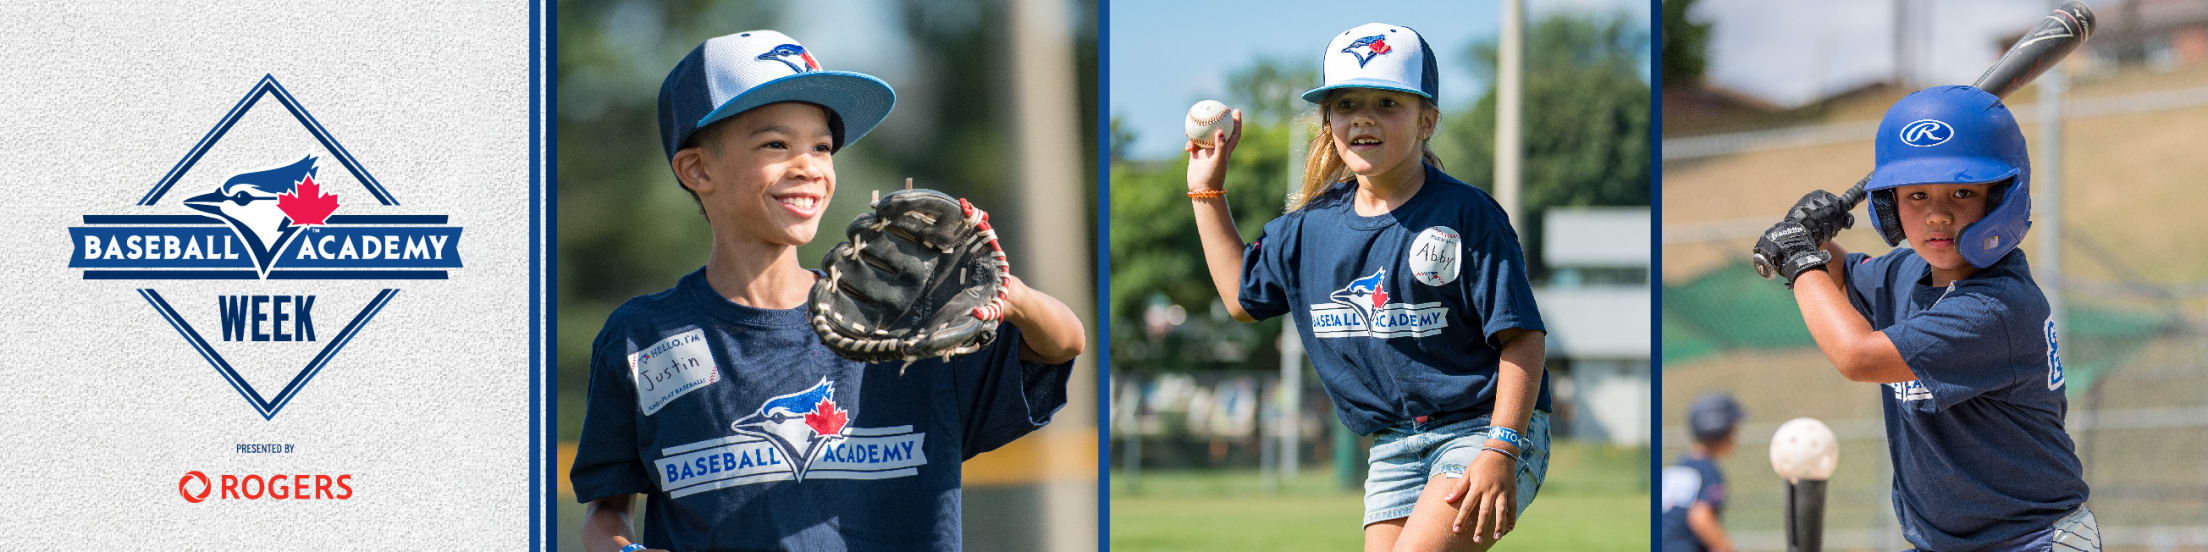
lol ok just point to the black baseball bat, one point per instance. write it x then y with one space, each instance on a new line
2056 35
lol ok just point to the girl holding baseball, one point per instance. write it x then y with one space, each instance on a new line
1409 291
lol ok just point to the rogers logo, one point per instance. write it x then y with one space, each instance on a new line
273 487
182 484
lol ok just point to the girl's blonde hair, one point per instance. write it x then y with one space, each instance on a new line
1322 166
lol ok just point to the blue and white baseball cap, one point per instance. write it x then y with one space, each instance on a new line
1379 55
731 74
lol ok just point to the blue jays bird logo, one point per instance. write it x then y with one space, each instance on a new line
799 424
268 207
1364 49
1365 295
787 52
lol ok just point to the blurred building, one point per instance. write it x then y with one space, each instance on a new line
1596 304
2160 34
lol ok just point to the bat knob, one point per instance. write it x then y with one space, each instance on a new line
1764 267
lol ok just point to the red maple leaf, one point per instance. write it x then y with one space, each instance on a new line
307 204
1379 297
1380 47
826 419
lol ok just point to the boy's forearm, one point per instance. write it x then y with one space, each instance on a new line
1222 245
1050 329
1859 352
1702 520
1518 378
606 524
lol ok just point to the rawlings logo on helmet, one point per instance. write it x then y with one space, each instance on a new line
1925 133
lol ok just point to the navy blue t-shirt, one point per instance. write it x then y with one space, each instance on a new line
1694 481
1978 447
747 434
1398 312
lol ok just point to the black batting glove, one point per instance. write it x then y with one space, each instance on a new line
1823 214
1791 250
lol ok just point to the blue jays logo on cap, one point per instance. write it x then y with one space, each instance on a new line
784 53
798 424
1925 133
1377 55
730 74
285 221
1365 48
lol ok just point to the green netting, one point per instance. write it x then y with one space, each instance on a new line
1729 308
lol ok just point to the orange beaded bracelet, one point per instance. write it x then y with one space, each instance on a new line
1208 194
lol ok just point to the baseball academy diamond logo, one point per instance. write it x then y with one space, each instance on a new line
1362 309
792 437
1364 49
248 214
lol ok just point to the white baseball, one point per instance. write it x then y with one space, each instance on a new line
1804 448
1207 117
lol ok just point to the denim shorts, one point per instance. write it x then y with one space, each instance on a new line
1406 456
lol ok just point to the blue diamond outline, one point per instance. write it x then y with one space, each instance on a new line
267 408
269 86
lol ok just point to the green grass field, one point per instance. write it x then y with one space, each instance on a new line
1595 498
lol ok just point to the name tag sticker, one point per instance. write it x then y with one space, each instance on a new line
671 368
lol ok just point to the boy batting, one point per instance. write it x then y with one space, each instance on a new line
1953 326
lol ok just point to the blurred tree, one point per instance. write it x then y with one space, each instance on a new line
1686 44
625 227
1585 116
1271 89
1154 248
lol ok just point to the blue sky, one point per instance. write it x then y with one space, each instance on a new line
1166 55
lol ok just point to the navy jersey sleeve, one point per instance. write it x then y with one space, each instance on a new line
1959 348
606 458
1494 278
1712 491
1004 397
1267 268
1863 281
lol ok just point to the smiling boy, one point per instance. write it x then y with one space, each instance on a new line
1954 327
717 401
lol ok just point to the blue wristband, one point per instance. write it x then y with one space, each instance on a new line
633 547
1511 436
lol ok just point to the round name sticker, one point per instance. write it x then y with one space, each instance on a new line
1435 256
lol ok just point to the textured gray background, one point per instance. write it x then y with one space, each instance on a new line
108 407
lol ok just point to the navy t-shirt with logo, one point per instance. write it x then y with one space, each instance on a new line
1398 312
746 433
1695 480
1977 442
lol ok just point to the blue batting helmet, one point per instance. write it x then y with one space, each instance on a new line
1955 135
